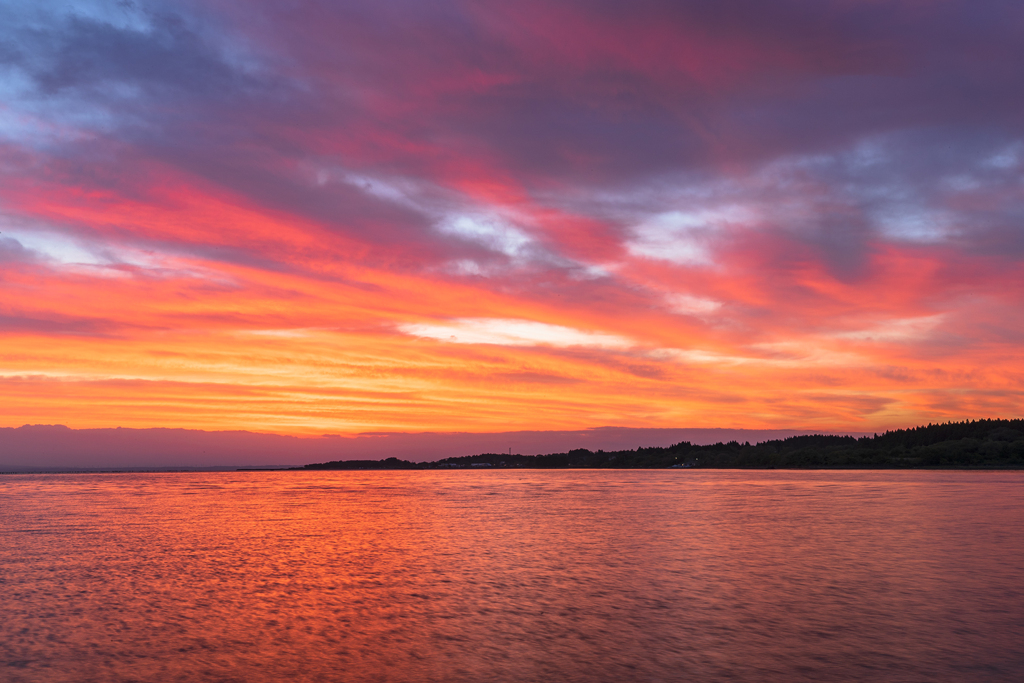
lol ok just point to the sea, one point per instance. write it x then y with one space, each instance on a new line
512 575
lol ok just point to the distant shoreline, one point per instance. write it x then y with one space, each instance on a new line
968 445
975 445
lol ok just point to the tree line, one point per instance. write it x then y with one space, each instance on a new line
969 444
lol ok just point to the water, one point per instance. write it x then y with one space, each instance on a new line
512 576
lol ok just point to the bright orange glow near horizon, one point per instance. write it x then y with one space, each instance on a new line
266 219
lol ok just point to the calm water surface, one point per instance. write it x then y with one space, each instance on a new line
512 576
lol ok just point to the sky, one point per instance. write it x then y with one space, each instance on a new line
311 218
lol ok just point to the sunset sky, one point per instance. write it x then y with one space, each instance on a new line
353 216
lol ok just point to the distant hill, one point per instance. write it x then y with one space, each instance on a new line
969 444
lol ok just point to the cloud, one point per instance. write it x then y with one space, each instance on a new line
104 48
687 304
905 330
681 192
514 333
13 251
681 236
58 326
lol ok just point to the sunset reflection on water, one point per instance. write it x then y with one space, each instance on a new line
512 576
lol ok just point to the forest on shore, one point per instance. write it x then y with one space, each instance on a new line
982 444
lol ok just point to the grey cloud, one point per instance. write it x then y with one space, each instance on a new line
12 251
57 325
79 52
384 79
